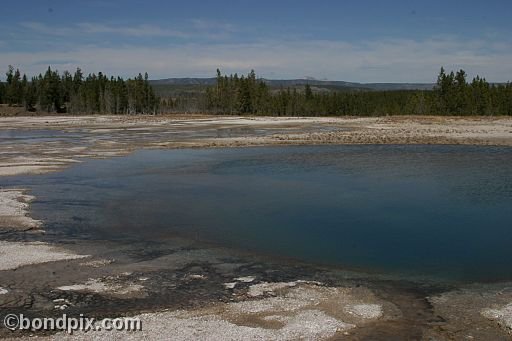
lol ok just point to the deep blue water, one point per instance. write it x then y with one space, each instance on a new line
436 211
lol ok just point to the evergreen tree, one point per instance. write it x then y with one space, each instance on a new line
2 92
98 93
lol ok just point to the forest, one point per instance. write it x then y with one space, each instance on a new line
52 92
452 95
79 94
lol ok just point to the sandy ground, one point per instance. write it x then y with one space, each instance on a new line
17 254
467 307
200 293
296 310
14 205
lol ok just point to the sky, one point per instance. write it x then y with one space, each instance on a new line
359 41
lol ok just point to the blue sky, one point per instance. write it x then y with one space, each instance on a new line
366 41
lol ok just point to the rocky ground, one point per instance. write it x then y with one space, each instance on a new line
187 291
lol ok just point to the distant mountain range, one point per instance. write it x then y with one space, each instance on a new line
276 83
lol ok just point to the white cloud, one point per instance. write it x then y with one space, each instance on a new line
193 28
134 31
392 60
45 29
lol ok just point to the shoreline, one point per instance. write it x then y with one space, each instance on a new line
248 297
107 136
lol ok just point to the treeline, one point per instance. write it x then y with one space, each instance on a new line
241 95
455 96
77 94
452 95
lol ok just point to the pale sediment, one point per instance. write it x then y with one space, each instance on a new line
368 311
297 311
471 311
33 165
502 315
14 207
17 254
308 325
107 287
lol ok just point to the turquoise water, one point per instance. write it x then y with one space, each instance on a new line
437 211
